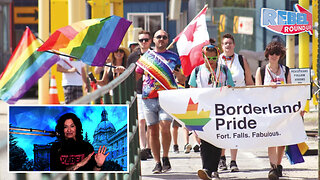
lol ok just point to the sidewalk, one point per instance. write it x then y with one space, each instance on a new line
253 163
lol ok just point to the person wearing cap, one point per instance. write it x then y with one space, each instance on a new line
144 38
241 76
211 74
157 119
119 62
133 46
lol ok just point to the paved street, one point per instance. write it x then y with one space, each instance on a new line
253 163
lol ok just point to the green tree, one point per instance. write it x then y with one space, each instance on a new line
18 157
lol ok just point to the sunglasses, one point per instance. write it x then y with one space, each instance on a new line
212 58
120 50
144 40
163 37
276 53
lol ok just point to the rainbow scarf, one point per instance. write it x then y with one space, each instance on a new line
295 152
89 40
157 67
25 67
192 119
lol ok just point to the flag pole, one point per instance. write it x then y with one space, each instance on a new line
171 44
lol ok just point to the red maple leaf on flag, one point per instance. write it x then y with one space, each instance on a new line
189 47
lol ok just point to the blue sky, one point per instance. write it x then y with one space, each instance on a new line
45 117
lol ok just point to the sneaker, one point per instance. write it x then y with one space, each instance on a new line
204 174
176 148
144 154
187 148
233 167
273 174
216 176
149 153
279 170
223 164
166 164
196 148
157 169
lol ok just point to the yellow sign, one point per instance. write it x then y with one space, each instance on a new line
222 23
25 15
235 24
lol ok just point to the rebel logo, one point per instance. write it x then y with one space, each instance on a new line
287 22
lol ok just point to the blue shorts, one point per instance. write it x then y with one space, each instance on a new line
153 112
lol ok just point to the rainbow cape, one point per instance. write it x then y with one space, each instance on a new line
25 67
295 152
90 40
158 68
192 119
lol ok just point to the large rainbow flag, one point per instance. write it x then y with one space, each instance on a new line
157 67
192 119
24 68
90 40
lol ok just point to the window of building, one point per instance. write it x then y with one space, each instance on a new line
147 21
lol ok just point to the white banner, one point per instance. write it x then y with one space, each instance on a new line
240 117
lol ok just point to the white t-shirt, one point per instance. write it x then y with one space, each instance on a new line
236 70
269 76
71 79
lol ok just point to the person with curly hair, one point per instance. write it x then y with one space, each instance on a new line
272 74
70 152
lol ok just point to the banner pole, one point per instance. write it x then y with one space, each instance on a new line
278 85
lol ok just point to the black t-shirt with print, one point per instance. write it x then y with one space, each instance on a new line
70 152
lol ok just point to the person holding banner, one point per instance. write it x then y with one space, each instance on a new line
211 74
157 119
272 74
241 76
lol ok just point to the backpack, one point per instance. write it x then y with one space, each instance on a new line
263 70
225 69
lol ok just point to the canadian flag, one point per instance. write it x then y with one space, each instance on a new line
190 42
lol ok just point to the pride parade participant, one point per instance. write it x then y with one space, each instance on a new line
211 74
241 76
274 73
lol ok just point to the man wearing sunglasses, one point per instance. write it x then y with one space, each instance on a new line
144 38
157 119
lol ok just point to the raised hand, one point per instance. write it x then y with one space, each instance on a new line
100 157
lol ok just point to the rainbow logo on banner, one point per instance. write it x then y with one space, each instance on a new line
192 119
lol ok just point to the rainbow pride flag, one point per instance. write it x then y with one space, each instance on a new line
25 67
295 152
192 119
91 41
157 67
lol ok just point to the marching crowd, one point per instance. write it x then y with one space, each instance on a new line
221 68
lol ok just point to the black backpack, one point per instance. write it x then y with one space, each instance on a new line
263 70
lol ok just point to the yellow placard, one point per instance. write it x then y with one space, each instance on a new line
25 15
235 24
222 23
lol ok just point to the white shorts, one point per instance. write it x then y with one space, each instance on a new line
140 107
